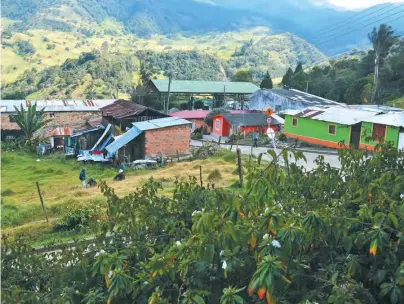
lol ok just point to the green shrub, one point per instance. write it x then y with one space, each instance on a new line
7 192
76 219
282 137
226 155
214 176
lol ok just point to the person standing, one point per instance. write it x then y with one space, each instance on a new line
255 138
83 177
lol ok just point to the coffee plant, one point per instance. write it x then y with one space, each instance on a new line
289 236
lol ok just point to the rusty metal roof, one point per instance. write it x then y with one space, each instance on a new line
122 109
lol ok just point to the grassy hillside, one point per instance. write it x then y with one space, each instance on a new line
255 49
21 212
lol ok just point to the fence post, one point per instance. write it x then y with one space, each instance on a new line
240 168
178 156
43 205
220 139
200 175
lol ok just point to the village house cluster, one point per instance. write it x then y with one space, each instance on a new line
120 130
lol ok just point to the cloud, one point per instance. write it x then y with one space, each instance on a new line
354 4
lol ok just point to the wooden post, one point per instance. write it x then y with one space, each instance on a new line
200 175
43 205
220 139
240 167
178 156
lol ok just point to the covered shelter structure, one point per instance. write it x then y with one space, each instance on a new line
219 90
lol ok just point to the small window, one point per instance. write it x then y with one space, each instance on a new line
378 132
332 129
217 124
294 122
12 118
51 114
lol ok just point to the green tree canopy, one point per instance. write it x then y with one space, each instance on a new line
299 68
267 82
30 120
242 76
287 78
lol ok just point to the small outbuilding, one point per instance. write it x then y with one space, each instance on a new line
226 124
197 117
169 136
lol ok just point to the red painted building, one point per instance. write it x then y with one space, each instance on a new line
197 117
227 124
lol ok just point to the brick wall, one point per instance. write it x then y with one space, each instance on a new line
201 123
77 120
168 140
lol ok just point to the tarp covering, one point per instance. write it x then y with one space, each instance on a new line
123 140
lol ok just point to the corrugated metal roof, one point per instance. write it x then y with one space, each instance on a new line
7 106
305 97
125 138
342 116
160 123
205 87
395 119
122 108
94 122
191 114
79 133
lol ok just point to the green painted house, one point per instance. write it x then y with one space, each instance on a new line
383 128
335 127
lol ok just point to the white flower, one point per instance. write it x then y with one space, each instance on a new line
110 274
401 196
266 235
178 243
100 252
266 210
196 212
222 252
224 266
276 244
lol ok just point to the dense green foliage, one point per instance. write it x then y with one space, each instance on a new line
25 48
106 74
242 76
290 236
266 83
351 80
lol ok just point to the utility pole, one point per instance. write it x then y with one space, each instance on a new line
224 95
307 86
169 89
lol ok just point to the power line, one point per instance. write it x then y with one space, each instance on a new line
359 28
349 22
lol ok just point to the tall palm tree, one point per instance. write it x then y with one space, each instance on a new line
30 120
382 40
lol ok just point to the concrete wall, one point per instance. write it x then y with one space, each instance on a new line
369 143
316 132
168 140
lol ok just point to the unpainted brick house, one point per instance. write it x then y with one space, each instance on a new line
169 136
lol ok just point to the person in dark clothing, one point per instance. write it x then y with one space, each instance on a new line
255 138
91 182
120 176
83 177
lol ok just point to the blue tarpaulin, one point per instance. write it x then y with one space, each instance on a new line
129 135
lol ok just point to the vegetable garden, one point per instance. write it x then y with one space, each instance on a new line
289 236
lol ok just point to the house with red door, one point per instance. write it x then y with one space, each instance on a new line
226 124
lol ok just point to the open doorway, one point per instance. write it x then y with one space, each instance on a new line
355 135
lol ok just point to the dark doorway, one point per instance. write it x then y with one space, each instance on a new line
355 135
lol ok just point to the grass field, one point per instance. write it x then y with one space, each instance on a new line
21 211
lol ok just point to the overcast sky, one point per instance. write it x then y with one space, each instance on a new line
356 4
